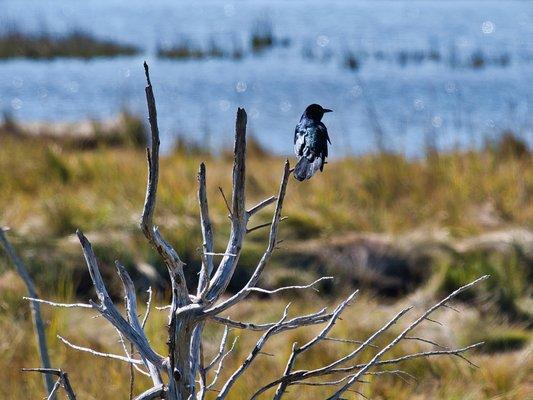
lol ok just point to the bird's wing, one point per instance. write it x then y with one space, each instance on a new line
323 131
311 141
300 134
323 139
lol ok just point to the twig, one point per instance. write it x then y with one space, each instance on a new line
130 299
332 339
225 200
255 351
306 374
425 341
99 353
296 351
398 338
220 350
221 364
129 354
258 207
63 378
56 387
318 317
250 230
393 361
54 304
148 306
281 289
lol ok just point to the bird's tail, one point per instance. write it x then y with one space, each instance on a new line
305 169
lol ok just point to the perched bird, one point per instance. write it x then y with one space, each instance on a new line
311 142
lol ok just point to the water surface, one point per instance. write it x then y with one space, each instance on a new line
404 106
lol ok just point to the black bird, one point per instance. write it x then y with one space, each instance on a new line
311 142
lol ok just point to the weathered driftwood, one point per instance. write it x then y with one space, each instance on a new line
182 374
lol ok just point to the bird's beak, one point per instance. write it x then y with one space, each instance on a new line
326 110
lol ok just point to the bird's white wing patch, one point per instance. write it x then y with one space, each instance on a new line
300 142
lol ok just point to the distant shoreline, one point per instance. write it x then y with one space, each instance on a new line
75 44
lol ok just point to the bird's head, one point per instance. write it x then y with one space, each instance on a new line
315 112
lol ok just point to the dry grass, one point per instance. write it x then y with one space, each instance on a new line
47 191
500 376
466 192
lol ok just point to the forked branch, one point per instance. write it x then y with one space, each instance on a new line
165 250
62 379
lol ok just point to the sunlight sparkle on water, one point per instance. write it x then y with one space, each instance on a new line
487 27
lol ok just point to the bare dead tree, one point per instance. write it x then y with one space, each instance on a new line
182 373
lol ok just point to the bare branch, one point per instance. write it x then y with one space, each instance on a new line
220 350
61 305
258 207
250 230
266 256
432 320
223 274
325 383
221 364
408 357
239 168
456 352
207 233
225 200
148 306
56 387
332 339
202 374
404 333
197 358
306 374
281 289
255 351
425 341
451 308
110 312
99 353
296 351
63 378
130 299
396 372
165 250
38 324
156 392
312 319
129 354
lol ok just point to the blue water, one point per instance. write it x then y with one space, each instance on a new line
410 105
